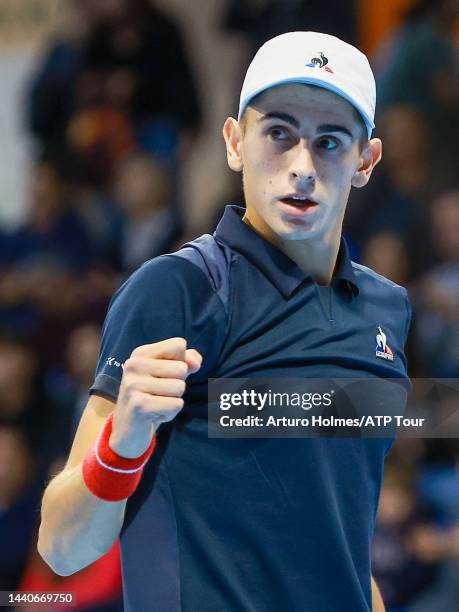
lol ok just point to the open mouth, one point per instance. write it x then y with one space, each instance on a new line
297 204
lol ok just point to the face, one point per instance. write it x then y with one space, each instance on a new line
299 150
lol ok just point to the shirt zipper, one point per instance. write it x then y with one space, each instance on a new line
331 316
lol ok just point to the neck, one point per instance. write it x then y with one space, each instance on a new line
315 257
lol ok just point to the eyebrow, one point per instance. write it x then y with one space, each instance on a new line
322 129
283 116
332 127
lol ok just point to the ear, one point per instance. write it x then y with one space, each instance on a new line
232 133
370 156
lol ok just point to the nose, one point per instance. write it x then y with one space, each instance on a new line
302 170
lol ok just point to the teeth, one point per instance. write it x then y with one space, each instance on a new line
301 198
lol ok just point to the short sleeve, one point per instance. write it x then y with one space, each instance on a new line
166 297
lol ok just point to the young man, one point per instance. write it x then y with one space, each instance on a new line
241 524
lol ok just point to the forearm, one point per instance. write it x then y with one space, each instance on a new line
77 527
376 598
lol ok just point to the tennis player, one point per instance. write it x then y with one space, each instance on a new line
245 525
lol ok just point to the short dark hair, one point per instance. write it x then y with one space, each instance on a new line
363 138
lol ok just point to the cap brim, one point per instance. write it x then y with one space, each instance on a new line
311 81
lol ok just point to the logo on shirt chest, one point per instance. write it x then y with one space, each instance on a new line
383 350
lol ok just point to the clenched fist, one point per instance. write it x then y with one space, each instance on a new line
151 392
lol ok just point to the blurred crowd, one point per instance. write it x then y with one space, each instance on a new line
114 108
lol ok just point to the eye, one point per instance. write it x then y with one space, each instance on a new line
279 133
328 143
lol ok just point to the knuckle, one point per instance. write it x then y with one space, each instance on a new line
181 386
179 342
178 404
182 369
130 364
136 351
175 387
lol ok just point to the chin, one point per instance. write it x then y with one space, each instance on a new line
303 235
301 232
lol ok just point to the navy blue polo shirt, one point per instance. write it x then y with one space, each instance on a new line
252 525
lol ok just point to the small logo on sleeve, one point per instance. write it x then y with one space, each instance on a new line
383 350
111 361
320 62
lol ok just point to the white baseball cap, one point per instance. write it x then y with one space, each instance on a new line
316 59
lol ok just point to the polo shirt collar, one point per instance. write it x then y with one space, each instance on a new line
282 271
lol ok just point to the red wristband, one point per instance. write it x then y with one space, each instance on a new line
109 476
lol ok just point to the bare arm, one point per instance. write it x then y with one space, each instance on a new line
376 598
77 527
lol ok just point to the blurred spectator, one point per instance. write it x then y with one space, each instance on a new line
40 261
43 265
25 402
82 353
419 66
126 76
401 567
142 191
98 136
70 385
386 254
147 47
438 484
437 293
263 19
103 220
20 494
52 89
396 199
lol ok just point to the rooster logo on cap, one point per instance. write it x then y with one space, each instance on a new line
320 62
